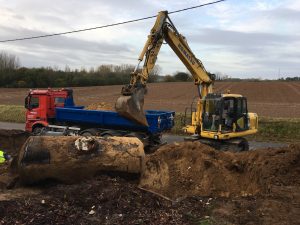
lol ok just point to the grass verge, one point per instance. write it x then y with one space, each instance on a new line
278 130
12 113
269 129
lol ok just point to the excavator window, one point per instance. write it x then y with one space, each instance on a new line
228 114
241 114
211 114
234 114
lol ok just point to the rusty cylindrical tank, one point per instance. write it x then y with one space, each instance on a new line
70 159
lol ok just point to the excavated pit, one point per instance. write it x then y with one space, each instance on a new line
194 169
11 141
212 187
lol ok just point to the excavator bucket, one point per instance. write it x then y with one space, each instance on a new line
131 103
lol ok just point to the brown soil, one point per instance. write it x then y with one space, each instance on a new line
193 169
101 106
206 187
272 99
115 200
11 141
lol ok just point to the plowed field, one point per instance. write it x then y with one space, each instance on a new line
271 99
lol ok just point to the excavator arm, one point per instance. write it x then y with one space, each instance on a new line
130 104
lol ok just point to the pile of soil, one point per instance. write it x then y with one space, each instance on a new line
203 186
100 106
11 141
194 169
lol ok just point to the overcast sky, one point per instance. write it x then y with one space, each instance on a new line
248 38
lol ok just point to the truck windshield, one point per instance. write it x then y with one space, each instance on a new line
34 102
59 100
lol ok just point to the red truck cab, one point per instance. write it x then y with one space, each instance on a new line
41 104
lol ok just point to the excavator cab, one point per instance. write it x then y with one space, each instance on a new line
222 116
225 114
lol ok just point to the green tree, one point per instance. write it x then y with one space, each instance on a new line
182 76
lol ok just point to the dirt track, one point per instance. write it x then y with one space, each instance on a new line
10 126
272 99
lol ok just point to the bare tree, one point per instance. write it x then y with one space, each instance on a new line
8 61
153 76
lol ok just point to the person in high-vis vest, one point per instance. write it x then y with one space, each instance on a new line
2 157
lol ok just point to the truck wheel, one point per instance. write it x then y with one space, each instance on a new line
89 132
131 135
37 130
110 134
106 135
86 134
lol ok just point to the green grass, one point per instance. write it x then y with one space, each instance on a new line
269 129
278 129
205 222
12 113
177 129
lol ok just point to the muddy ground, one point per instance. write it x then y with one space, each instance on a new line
115 200
204 187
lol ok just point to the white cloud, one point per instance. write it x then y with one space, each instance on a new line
235 37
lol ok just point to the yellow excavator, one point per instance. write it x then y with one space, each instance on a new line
220 120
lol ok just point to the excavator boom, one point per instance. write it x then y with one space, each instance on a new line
130 104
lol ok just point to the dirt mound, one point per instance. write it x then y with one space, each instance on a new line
100 106
194 169
11 141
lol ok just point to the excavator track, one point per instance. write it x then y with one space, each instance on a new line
235 144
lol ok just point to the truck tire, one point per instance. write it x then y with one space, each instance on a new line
106 135
86 134
132 135
37 130
89 132
111 133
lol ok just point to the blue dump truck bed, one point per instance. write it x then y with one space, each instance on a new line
158 121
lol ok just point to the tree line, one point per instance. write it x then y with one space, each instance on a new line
12 75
